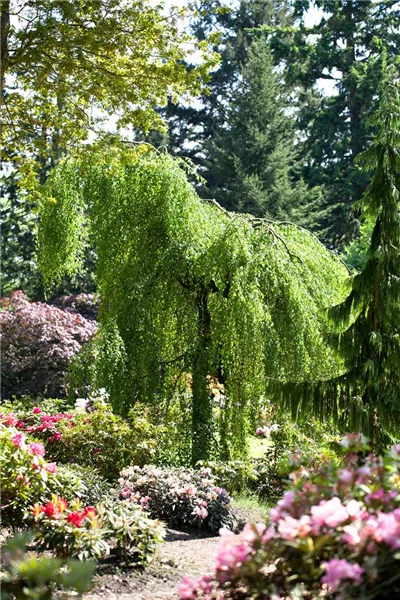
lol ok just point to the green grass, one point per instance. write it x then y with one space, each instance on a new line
252 506
258 447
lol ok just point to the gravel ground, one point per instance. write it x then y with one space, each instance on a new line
184 553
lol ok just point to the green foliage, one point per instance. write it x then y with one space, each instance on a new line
105 442
36 578
366 324
233 475
344 50
96 531
188 287
356 253
71 57
251 158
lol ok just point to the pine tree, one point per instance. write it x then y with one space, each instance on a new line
251 156
345 49
367 323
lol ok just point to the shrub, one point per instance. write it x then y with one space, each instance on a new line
26 477
337 533
35 578
86 305
233 475
179 496
95 531
38 342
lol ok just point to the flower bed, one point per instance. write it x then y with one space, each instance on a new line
337 533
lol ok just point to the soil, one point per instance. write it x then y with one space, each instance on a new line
187 552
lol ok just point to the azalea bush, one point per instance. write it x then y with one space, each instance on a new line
336 533
38 342
71 529
88 434
179 496
25 577
26 476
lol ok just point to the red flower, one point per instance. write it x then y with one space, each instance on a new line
51 510
75 518
37 410
90 512
96 450
9 419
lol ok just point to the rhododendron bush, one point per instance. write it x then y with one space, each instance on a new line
335 534
178 496
38 342
121 528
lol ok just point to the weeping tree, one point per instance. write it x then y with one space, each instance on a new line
366 324
187 287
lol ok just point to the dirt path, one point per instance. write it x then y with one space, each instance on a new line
183 553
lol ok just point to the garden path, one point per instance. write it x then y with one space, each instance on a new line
184 553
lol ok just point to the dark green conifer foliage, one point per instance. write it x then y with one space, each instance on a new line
343 48
251 158
367 322
188 287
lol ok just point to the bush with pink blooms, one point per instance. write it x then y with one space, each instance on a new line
336 533
38 342
26 476
179 496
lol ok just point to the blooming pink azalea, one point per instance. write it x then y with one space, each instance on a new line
388 530
339 570
331 513
345 475
19 440
353 508
9 419
290 528
187 589
37 410
37 449
51 468
352 535
200 511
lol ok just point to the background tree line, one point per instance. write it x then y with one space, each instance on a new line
266 136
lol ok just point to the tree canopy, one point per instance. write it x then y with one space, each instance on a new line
188 287
61 60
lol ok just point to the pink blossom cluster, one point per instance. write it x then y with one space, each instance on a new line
342 524
39 423
183 496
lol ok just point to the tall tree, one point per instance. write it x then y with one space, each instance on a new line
367 322
62 59
191 127
188 287
344 48
251 160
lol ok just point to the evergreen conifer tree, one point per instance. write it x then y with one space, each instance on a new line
367 322
251 156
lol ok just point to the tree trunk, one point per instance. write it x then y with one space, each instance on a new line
202 406
4 57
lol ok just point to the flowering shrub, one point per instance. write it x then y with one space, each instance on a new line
337 533
25 475
36 578
95 531
38 342
86 305
178 496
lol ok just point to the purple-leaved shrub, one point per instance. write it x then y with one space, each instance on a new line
38 341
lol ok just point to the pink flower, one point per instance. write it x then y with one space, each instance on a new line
352 536
345 475
9 419
200 512
338 570
331 513
19 440
290 528
37 449
37 410
187 589
51 468
353 508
